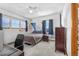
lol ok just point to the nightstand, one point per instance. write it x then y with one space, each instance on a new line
45 38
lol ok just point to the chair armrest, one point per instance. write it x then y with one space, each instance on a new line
19 46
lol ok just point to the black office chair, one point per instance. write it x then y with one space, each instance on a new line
19 42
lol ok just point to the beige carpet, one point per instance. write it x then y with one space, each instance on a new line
42 49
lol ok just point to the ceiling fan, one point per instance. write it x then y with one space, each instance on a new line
32 9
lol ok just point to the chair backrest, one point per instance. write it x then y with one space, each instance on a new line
19 40
20 36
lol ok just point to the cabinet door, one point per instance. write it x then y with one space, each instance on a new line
57 41
60 39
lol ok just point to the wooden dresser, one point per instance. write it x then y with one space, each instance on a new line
60 39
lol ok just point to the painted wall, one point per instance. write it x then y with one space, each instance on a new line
66 22
1 39
11 34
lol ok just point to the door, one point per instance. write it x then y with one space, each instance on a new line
74 29
78 30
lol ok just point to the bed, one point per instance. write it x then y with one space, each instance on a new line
32 39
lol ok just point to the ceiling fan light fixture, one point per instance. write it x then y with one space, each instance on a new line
30 11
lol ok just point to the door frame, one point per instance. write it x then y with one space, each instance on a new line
74 29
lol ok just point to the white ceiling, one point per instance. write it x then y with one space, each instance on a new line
42 8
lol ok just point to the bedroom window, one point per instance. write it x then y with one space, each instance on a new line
47 25
23 25
33 26
5 22
36 26
15 23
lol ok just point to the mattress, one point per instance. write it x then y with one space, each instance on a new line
33 38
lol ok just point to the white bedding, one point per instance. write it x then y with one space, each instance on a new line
37 37
34 35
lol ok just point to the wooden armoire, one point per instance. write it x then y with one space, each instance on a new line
60 39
